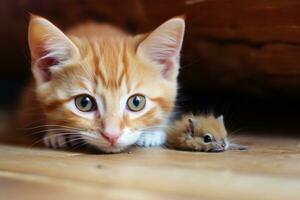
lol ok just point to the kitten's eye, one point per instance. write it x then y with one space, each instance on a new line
136 102
85 103
207 139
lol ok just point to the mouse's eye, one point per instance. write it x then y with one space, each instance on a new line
207 139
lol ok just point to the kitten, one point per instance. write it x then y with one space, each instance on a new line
101 85
200 133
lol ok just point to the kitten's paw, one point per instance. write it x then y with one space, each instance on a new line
54 141
59 141
152 139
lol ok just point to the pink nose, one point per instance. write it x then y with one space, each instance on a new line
110 137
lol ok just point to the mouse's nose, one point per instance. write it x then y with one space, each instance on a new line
224 143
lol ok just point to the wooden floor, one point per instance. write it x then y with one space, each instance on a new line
270 169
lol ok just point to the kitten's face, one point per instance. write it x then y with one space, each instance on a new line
117 98
110 90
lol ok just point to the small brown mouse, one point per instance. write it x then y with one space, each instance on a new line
200 133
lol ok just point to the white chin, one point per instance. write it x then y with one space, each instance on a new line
108 149
112 149
126 140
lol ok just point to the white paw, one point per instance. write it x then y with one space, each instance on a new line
55 141
152 139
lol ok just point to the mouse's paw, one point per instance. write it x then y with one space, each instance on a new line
152 139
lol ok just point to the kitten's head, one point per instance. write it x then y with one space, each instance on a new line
108 89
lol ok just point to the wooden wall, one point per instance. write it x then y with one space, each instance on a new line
250 46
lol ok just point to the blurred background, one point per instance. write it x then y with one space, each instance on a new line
240 58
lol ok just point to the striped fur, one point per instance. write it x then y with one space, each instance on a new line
109 65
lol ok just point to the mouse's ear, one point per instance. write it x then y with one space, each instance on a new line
191 126
221 119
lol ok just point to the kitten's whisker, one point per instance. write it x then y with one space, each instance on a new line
59 134
153 127
50 125
71 133
53 130
49 136
78 145
72 140
36 142
34 122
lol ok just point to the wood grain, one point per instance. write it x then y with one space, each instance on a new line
263 172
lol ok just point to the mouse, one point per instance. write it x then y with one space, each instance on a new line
205 133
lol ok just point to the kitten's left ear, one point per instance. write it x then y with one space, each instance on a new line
221 119
163 46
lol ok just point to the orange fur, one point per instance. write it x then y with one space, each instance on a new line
109 65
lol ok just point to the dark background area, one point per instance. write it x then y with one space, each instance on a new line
240 58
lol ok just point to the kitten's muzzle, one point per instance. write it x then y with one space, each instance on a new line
111 137
111 130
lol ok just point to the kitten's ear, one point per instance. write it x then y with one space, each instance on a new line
49 48
221 119
163 46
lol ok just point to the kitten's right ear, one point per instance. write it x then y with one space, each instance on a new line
49 48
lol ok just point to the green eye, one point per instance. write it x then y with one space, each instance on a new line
136 102
85 103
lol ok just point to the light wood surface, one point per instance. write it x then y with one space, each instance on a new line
270 169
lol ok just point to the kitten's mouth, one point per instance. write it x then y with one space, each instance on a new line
116 145
109 148
113 145
112 150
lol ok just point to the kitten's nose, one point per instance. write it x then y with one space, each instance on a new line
111 130
111 137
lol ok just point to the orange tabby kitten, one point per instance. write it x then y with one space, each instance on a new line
102 86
